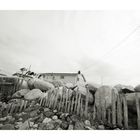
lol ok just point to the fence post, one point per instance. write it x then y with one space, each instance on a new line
119 111
67 97
104 112
138 110
109 116
125 112
76 101
78 106
86 104
113 108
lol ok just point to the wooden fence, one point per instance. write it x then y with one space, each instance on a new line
73 102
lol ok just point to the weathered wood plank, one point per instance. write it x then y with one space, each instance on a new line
138 110
119 111
125 110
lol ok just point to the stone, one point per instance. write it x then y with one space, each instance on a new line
7 127
20 93
87 123
33 113
79 126
24 126
59 128
71 127
101 127
1 125
47 120
46 109
3 119
31 123
35 125
74 118
64 125
33 94
55 111
58 121
48 114
55 117
49 126
20 119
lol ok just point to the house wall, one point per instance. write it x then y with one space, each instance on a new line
66 79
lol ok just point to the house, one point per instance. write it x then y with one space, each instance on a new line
64 77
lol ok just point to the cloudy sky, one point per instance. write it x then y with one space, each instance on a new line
104 45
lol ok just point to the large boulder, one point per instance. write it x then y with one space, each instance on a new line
42 85
124 88
33 94
137 88
104 93
20 93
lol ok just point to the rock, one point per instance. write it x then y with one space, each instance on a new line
55 111
24 126
64 125
46 109
3 119
124 88
42 85
49 126
20 93
55 117
87 123
47 120
1 125
7 127
59 128
104 93
35 125
74 118
58 121
71 127
79 126
48 114
31 124
89 128
137 88
101 127
33 94
33 113
20 119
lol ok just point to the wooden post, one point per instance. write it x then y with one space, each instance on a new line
86 105
119 111
104 112
94 112
76 101
69 103
125 112
81 108
113 108
72 104
138 110
56 100
109 116
78 106
66 103
21 105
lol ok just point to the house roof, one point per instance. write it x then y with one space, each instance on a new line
64 74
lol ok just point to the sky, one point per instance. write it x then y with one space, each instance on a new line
95 42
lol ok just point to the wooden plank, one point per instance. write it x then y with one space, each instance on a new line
76 101
72 104
125 110
94 113
81 108
86 104
78 106
119 111
109 116
138 110
113 109
66 104
104 112
69 102
56 99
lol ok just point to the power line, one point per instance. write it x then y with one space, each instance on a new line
116 46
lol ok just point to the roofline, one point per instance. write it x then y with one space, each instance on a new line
58 73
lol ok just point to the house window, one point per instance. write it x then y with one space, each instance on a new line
62 77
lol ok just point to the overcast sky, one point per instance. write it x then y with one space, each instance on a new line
68 41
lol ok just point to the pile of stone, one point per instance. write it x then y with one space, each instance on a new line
36 117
